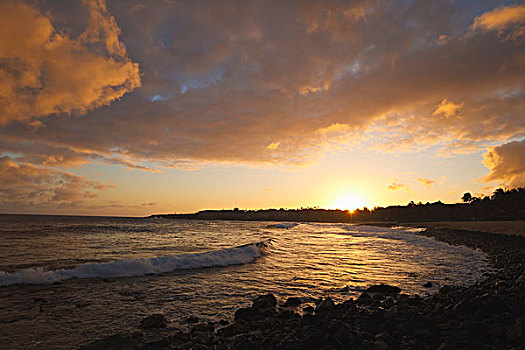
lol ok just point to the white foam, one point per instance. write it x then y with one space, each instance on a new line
283 225
138 267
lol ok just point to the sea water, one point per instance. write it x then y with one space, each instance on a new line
65 281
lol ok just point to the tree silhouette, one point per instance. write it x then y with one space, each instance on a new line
467 197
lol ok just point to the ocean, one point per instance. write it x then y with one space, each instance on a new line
66 281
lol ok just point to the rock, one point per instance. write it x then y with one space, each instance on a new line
247 314
515 332
381 345
446 289
442 346
202 327
285 315
113 342
383 289
265 302
308 310
154 321
314 341
292 302
224 322
192 319
428 285
364 299
521 279
326 305
157 345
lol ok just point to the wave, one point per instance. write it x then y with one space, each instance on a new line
283 225
139 267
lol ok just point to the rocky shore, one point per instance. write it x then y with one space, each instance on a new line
488 315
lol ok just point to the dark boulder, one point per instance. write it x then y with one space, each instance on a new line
265 302
154 321
292 302
383 289
325 306
113 342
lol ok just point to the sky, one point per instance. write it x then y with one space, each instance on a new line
139 107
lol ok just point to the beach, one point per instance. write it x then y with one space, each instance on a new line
486 315
515 227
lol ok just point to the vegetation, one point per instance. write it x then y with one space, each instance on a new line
503 204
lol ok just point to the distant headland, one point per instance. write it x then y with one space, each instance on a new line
503 204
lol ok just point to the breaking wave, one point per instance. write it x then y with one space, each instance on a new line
139 267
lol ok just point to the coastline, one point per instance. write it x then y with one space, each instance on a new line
485 315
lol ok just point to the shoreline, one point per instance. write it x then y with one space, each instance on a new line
485 315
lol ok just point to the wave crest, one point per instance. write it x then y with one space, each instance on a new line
139 267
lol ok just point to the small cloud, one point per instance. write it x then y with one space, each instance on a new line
273 146
334 128
427 182
396 186
443 39
448 108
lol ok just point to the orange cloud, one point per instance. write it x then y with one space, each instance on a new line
23 185
426 182
396 186
448 108
506 164
500 18
234 87
45 71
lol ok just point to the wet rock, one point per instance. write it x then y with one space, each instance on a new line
285 315
223 323
293 302
325 306
515 332
202 327
380 345
157 345
154 321
315 340
308 310
264 302
246 314
383 289
364 299
192 319
113 342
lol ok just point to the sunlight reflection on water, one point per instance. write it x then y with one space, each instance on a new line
310 260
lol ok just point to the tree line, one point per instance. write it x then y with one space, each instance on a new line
502 204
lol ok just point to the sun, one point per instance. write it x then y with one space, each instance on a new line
350 201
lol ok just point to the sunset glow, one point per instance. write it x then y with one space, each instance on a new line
350 202
134 108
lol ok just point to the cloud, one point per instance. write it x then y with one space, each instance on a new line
272 146
23 185
46 71
427 182
222 85
506 164
394 186
448 108
501 19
